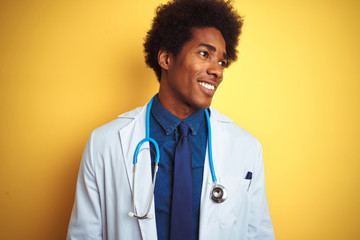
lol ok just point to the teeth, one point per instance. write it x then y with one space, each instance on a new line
206 85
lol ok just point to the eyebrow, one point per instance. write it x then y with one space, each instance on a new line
212 49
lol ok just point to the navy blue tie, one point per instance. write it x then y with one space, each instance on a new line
181 207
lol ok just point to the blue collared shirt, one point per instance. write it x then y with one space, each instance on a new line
163 128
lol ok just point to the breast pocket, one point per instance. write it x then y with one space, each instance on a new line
231 210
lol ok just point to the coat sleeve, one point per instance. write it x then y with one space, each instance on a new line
85 222
260 225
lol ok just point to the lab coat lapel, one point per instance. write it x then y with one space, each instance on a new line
208 209
130 136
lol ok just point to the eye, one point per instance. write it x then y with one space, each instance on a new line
223 63
204 54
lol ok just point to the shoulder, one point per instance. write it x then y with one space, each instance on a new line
110 130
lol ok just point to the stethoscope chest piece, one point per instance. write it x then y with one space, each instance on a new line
219 193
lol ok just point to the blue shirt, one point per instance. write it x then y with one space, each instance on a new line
163 128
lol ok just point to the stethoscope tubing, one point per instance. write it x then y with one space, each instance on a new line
147 137
157 159
213 175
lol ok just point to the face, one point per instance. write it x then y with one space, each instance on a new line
190 79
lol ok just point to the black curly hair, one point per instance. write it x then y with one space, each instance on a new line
173 23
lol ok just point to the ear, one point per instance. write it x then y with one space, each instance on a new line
164 58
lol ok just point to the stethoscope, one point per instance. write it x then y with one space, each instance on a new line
218 193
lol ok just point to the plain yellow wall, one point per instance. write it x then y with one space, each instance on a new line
67 67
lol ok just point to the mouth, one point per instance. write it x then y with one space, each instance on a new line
207 86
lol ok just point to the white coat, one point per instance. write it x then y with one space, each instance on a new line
104 185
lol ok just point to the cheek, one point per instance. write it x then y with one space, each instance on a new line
196 70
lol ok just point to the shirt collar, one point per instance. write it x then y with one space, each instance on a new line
169 122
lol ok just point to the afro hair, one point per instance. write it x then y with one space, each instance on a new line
173 23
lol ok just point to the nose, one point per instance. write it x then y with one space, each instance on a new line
215 70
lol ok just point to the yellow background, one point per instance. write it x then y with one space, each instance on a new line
67 67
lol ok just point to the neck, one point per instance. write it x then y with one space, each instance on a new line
180 110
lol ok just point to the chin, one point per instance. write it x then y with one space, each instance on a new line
203 104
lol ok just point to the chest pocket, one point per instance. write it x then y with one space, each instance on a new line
231 210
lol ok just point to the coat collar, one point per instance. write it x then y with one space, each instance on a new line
142 111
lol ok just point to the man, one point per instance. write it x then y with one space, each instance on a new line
189 45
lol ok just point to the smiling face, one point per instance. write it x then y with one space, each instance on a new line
189 80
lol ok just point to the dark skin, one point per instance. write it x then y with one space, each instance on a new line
189 80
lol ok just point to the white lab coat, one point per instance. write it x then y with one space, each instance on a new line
104 185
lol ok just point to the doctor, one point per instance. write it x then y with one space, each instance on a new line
189 45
